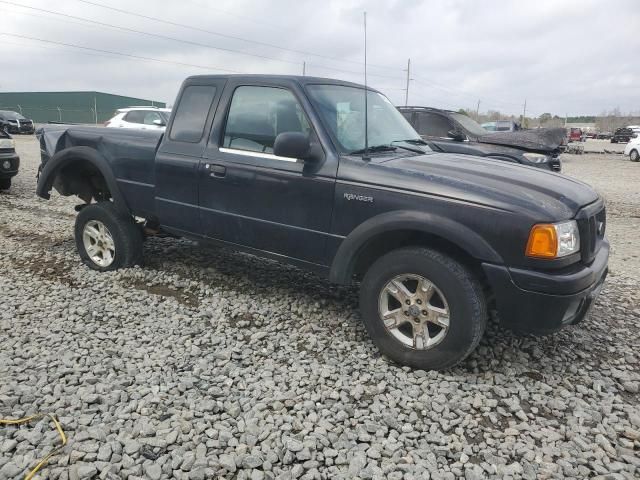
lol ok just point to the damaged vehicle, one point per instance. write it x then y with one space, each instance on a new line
453 132
14 122
9 160
286 168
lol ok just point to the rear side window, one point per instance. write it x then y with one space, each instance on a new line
258 114
150 117
191 113
433 125
135 116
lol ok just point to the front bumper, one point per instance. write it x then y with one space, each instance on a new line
27 128
530 301
14 161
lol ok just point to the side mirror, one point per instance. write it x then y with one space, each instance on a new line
159 122
457 135
292 145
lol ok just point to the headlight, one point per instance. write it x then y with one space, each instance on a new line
553 240
7 143
6 165
536 157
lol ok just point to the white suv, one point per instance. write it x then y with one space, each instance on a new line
144 118
633 149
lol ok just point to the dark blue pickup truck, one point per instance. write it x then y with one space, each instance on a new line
284 167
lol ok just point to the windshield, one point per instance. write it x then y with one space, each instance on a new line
342 111
11 115
469 124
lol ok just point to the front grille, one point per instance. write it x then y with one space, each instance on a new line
592 223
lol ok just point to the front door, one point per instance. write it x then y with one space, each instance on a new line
249 196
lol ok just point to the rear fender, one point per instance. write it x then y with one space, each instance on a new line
52 168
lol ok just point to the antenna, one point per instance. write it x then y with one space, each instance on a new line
366 105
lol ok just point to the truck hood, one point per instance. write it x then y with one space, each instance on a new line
487 182
540 140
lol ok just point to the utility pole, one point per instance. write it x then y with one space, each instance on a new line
478 111
59 114
524 111
406 92
304 69
95 109
20 108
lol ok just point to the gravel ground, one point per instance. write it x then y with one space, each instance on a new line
212 364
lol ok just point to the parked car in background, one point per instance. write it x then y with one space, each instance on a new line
9 160
453 132
604 135
14 122
282 167
633 149
143 118
575 134
507 126
501 126
622 135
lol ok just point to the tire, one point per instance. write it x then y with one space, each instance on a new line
115 238
457 291
5 183
634 156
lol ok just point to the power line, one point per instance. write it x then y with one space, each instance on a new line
164 37
464 94
223 35
156 35
138 57
110 54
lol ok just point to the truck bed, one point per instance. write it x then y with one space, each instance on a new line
130 153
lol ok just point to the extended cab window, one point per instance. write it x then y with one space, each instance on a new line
191 113
257 115
433 125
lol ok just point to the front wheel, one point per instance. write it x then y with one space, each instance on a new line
634 156
106 239
422 308
5 183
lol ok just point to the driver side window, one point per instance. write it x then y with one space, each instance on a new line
257 115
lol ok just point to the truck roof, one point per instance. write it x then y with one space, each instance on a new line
302 80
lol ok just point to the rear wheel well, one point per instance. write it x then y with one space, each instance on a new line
386 242
82 178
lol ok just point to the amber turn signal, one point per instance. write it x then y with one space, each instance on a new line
543 242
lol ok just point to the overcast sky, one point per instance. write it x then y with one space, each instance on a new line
562 56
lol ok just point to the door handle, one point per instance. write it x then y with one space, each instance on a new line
216 170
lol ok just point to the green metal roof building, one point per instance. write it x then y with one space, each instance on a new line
69 107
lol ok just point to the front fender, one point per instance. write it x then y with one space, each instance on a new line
49 172
425 222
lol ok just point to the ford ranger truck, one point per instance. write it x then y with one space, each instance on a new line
280 167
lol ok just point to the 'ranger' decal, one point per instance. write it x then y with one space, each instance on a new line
360 198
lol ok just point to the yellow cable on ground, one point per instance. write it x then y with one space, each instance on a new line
38 416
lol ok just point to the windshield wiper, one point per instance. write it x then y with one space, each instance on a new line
412 142
375 148
415 141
